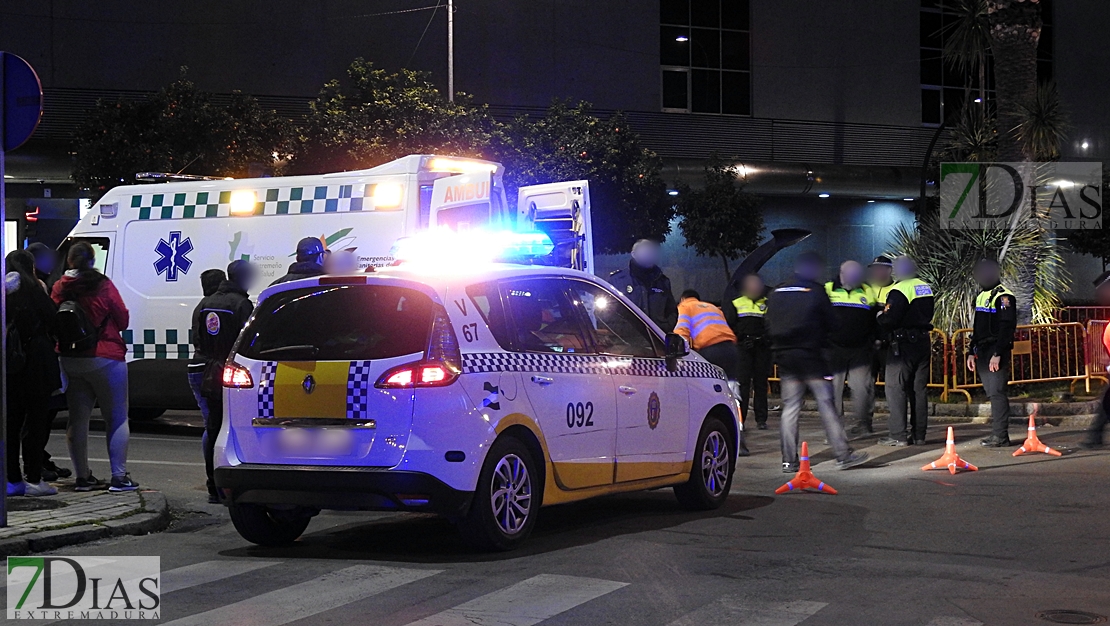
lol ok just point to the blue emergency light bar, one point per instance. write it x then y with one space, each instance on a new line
449 248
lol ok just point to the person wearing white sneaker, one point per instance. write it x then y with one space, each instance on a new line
41 488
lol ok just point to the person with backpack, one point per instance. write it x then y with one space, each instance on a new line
217 321
91 315
210 281
33 375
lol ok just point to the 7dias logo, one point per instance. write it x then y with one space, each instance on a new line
106 587
1064 196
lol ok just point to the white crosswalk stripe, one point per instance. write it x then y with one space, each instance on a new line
525 603
324 593
955 621
740 610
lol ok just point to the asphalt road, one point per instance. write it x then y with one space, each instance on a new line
896 546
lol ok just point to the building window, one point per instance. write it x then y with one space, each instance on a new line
705 54
943 87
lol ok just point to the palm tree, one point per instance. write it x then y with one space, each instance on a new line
1015 30
967 43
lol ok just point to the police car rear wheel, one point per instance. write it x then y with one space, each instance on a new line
505 503
265 527
711 474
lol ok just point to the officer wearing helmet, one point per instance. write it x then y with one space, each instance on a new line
646 285
310 261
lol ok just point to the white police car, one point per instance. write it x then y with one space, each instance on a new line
480 393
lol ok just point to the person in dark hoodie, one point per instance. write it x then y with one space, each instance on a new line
310 261
210 281
646 285
46 261
32 379
217 321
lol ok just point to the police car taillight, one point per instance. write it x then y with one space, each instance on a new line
417 375
236 376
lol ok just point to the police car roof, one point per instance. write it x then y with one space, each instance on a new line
437 279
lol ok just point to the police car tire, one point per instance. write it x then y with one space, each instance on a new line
480 527
264 527
694 494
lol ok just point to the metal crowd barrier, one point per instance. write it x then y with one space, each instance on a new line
1097 357
1042 353
1082 314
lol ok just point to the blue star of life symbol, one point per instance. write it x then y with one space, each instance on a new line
173 256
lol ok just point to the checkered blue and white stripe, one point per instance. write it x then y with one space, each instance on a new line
484 362
358 389
266 389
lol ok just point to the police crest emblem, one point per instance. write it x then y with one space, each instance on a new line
653 411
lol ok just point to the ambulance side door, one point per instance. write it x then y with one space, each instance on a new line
652 405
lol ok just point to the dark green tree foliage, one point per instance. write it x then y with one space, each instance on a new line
721 220
178 129
373 116
627 195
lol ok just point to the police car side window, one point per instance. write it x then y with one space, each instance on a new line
616 329
486 298
542 316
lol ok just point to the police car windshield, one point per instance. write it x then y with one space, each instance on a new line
339 323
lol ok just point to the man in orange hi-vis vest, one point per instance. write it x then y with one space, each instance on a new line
704 326
1093 436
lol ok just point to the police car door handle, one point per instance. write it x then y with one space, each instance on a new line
542 380
626 390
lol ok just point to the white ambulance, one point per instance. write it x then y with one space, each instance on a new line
155 240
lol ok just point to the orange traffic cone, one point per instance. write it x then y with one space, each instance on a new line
1032 443
950 459
805 479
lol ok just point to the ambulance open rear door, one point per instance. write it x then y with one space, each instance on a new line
562 210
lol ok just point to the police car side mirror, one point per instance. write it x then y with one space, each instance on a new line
676 348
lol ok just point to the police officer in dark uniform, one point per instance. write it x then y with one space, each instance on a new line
992 339
745 316
217 321
310 261
647 286
907 320
851 352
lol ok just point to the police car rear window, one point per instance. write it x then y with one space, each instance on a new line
339 323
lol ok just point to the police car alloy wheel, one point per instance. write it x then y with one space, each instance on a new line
711 473
507 499
268 527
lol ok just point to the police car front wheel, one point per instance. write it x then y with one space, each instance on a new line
268 527
506 500
711 472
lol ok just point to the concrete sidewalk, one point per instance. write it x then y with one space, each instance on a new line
1076 414
46 523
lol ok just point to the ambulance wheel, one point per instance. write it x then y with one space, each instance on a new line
711 474
506 500
267 527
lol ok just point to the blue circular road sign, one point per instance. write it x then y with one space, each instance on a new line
22 94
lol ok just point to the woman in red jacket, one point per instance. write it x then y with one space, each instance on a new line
100 375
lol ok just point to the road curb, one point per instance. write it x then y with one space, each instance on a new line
154 516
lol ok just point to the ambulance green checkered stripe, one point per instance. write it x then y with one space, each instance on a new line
279 201
165 343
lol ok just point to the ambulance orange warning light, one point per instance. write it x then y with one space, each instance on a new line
805 479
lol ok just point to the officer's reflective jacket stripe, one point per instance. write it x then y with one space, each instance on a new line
879 294
702 324
909 306
749 315
995 322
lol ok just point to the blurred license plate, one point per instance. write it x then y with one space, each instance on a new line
315 441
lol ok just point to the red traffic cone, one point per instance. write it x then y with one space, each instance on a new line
805 479
950 459
1032 443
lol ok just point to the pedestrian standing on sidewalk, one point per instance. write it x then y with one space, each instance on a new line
907 319
799 320
1092 438
217 322
33 376
992 339
851 350
745 316
91 315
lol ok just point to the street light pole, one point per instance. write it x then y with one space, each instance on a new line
451 50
